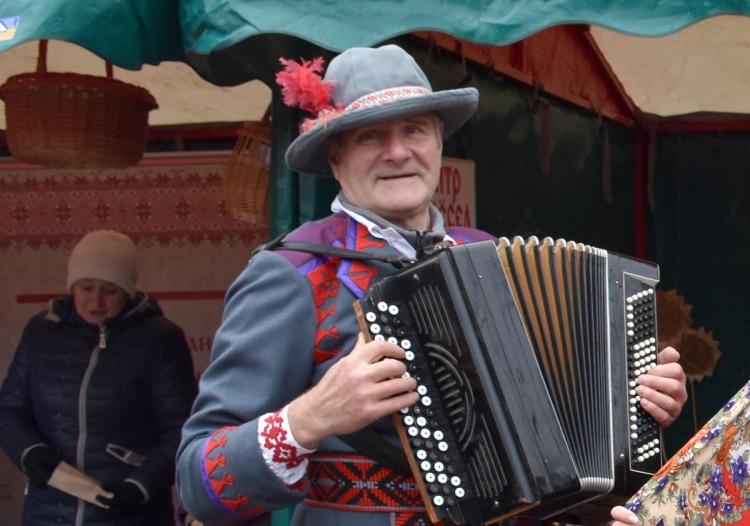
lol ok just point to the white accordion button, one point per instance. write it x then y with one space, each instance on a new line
438 435
393 340
460 492
425 433
430 477
371 317
438 500
405 344
426 401
421 389
413 431
375 328
421 421
382 306
409 356
421 454
456 481
408 420
425 466
438 466
443 446
442 478
393 310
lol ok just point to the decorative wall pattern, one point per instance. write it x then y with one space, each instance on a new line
154 205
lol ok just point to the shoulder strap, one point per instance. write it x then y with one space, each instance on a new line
396 260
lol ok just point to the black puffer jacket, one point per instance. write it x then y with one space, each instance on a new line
80 389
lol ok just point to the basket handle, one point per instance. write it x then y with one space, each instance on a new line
41 61
266 116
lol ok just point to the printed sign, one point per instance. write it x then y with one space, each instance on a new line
8 27
455 196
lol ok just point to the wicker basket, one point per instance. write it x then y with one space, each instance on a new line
245 187
68 120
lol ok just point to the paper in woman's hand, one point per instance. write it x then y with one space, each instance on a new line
68 479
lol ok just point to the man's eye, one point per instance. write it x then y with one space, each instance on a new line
368 135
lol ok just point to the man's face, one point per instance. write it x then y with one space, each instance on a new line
391 167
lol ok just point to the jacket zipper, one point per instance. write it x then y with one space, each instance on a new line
82 425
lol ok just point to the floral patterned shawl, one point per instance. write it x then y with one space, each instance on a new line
706 483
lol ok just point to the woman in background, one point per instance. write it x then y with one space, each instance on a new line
103 381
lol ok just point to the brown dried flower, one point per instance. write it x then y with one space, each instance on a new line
699 353
673 316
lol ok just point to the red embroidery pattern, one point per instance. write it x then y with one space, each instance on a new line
411 519
223 481
359 484
211 465
365 240
275 440
325 289
154 205
362 274
370 100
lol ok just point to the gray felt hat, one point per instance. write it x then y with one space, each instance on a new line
371 85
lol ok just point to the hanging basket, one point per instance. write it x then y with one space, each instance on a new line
68 120
245 187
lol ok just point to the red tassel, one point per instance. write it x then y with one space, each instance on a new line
303 86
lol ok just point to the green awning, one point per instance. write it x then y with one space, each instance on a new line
130 33
338 24
127 33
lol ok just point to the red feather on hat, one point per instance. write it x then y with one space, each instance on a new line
302 85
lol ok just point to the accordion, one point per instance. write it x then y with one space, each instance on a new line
525 355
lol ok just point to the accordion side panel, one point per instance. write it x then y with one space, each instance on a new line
634 347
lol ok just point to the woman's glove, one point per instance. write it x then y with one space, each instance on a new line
126 496
39 463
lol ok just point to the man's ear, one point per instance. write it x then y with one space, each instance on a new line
441 127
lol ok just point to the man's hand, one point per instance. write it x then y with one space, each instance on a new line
662 389
357 390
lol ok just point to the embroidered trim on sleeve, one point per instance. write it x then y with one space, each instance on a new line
283 455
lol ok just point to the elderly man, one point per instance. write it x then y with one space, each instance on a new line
290 371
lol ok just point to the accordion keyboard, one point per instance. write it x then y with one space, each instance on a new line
640 323
443 416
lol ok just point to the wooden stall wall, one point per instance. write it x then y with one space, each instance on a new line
190 249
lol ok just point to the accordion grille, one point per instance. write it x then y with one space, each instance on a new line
432 319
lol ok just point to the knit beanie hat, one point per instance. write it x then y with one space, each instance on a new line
106 255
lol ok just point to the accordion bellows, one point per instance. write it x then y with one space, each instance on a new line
525 354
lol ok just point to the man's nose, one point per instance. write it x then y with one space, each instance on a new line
395 148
